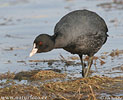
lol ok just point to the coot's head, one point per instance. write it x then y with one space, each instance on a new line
42 43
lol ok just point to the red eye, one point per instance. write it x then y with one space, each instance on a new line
40 43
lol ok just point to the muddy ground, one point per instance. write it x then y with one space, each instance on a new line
54 85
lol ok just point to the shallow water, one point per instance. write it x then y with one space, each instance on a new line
21 21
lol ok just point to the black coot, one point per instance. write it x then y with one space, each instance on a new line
79 32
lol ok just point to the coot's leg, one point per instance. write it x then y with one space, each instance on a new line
90 61
83 65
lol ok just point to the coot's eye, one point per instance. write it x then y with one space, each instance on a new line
40 43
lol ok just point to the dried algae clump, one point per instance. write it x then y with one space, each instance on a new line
86 87
82 88
47 74
38 75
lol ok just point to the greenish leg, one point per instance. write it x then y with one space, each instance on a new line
90 61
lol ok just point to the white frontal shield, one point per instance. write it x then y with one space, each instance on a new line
34 50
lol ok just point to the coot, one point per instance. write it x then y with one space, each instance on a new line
81 32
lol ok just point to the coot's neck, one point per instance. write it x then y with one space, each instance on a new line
53 39
51 42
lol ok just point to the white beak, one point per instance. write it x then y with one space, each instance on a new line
34 50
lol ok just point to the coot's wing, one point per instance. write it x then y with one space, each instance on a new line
79 23
65 32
